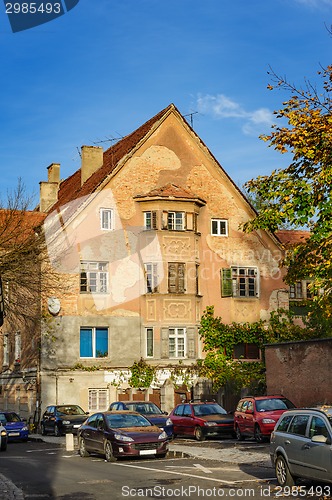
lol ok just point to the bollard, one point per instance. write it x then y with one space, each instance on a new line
70 442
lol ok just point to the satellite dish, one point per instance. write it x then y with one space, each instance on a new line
54 305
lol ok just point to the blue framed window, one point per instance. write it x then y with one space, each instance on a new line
93 342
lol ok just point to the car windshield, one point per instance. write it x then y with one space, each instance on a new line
144 408
273 404
208 409
9 417
70 410
123 420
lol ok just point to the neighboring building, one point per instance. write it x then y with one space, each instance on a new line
145 235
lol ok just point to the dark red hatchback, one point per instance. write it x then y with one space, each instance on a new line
121 434
201 419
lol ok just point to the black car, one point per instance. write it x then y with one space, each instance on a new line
62 419
150 410
117 434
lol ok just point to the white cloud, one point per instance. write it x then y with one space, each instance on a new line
315 3
221 106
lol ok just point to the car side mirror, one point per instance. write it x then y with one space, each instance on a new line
319 438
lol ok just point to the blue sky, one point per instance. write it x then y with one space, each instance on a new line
107 66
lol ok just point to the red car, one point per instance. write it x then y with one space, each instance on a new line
201 419
256 416
121 434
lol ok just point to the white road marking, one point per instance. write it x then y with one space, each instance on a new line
202 468
177 473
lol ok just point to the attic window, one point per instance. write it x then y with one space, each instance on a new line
106 219
219 227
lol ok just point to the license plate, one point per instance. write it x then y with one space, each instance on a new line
13 433
148 452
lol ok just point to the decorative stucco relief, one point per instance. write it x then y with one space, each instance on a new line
180 310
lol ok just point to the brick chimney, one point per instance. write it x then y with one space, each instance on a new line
92 159
49 189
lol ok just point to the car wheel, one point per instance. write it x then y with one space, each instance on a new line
3 447
57 432
162 455
109 452
43 430
238 434
199 434
284 477
258 435
82 448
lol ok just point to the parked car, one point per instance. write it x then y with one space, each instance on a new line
123 433
301 446
150 410
3 438
256 416
16 428
62 419
201 419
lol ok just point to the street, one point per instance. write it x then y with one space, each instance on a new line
45 470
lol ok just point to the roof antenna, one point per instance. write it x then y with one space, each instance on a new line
191 117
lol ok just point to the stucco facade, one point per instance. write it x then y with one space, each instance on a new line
146 235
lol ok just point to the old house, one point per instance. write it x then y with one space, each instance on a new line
145 235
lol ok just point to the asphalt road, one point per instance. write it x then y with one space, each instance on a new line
45 470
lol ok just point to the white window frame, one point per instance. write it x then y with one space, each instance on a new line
96 277
177 340
221 223
98 399
6 349
94 349
18 347
107 219
149 336
243 278
151 277
176 221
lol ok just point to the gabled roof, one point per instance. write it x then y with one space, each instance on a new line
171 191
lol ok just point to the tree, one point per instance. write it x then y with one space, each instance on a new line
300 194
221 339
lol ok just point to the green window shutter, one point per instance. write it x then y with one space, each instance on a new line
226 282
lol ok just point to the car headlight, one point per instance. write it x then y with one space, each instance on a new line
268 421
121 437
3 433
66 422
24 428
209 424
169 422
163 435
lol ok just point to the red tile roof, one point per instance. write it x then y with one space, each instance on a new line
71 189
18 225
171 191
289 237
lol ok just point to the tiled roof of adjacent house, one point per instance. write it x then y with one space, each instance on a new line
289 237
170 191
17 225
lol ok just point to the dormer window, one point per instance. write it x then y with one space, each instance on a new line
106 219
150 220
